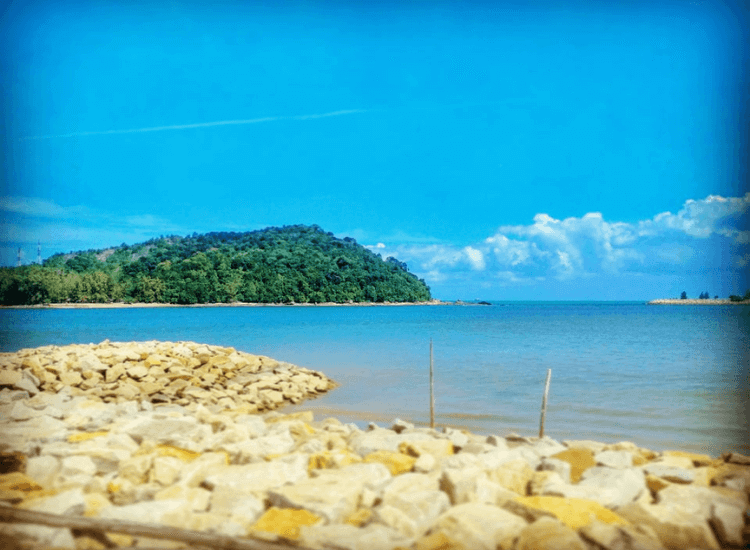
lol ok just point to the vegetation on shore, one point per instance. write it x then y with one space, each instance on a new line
298 263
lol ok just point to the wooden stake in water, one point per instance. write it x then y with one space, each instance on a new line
432 393
544 403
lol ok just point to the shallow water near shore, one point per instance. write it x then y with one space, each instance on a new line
661 376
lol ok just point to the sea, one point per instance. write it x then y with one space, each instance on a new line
664 377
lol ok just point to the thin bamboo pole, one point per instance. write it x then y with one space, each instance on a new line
544 403
432 392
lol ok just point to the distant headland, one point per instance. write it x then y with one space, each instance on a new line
704 302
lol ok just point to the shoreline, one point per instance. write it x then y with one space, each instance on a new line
123 305
694 302
189 442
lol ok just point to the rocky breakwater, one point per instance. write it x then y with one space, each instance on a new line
160 372
291 480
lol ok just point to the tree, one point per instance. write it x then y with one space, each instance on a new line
683 296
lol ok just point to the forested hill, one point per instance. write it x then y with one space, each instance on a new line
302 264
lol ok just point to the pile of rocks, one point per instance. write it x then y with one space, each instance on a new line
324 484
162 372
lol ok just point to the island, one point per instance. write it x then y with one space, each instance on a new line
294 264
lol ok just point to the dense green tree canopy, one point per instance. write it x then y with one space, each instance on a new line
301 264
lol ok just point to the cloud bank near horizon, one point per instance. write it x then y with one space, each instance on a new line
706 234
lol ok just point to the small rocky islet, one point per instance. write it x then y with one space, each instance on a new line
187 436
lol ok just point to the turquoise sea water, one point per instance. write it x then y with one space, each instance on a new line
661 376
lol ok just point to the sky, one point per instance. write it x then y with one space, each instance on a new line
504 150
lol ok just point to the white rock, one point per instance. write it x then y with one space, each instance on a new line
77 465
622 486
480 526
614 459
67 503
425 463
561 467
333 494
258 478
43 469
348 537
152 512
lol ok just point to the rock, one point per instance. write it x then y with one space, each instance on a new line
417 498
285 522
677 529
579 458
472 485
670 473
614 459
198 498
593 446
497 441
546 446
397 463
561 467
617 537
480 526
173 513
437 541
67 503
379 439
425 463
371 537
514 475
548 534
728 523
10 377
619 487
333 494
435 447
735 458
43 469
399 426
258 478
697 459
573 512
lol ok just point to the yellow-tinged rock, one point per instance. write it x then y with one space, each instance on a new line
397 463
85 436
438 541
573 512
95 503
71 378
656 484
580 460
10 377
19 486
697 459
332 459
514 476
285 522
151 362
360 517
549 534
435 447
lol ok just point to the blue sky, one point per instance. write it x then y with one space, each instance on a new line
503 150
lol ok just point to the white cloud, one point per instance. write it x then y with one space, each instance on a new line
29 206
475 257
707 230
